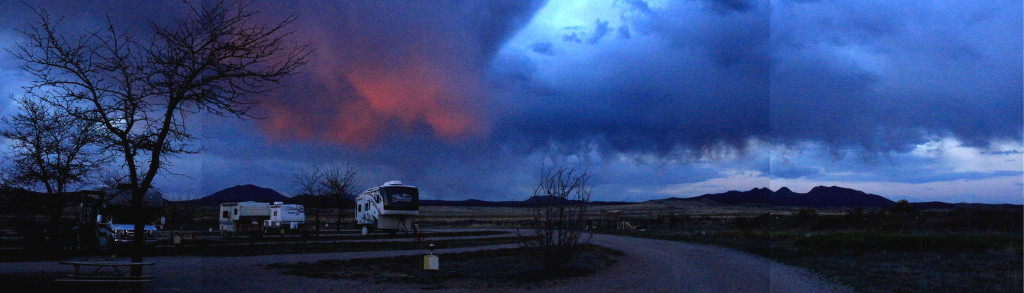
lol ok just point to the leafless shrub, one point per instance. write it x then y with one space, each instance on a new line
562 196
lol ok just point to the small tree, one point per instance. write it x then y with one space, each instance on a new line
49 149
308 182
561 197
326 183
52 151
340 186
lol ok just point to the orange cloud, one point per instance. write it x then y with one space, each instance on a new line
389 69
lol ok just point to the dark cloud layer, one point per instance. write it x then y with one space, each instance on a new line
874 74
708 89
888 75
434 93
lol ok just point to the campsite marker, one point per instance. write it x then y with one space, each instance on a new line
430 261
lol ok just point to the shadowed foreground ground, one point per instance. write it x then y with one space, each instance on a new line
648 266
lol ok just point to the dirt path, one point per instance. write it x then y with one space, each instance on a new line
668 266
649 266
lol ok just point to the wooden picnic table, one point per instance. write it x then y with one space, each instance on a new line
116 272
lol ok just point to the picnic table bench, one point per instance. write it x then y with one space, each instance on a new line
94 272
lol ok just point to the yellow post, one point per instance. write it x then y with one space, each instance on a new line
430 262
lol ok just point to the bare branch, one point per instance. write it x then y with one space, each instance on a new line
341 186
49 149
562 196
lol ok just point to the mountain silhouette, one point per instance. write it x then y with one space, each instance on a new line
820 196
247 192
754 196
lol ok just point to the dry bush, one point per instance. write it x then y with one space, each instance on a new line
562 196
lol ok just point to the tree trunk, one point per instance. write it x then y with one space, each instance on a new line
139 239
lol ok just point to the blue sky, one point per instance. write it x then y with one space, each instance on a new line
917 100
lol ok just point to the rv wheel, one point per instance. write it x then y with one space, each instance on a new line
365 231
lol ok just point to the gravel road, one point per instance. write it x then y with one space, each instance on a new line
648 266
668 266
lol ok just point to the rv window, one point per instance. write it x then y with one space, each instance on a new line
359 209
225 215
400 198
236 212
275 213
366 206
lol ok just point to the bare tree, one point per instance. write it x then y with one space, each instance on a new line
308 182
51 151
562 196
324 183
140 93
340 186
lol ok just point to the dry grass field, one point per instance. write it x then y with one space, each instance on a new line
603 216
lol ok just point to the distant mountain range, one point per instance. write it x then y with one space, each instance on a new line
820 197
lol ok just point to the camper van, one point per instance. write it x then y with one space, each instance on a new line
246 216
285 216
389 207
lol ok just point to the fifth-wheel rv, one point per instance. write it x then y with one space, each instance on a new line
389 207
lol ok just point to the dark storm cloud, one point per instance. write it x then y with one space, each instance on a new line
792 171
545 48
725 6
889 75
600 29
704 92
875 74
624 32
431 93
501 19
572 36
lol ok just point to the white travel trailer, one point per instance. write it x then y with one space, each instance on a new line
246 216
286 216
389 207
